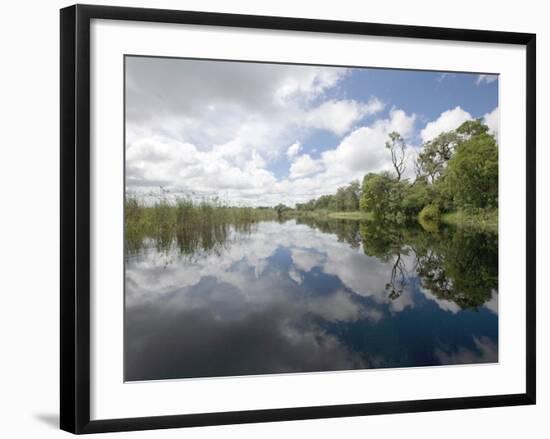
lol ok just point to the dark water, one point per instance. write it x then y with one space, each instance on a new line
311 296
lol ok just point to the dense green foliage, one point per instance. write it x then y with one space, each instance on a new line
471 179
456 171
383 195
430 213
346 199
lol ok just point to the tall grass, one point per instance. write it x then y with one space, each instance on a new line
483 220
192 226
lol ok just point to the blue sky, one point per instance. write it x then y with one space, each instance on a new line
260 134
425 93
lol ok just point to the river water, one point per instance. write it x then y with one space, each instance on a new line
308 296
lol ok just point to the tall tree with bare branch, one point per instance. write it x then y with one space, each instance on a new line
397 147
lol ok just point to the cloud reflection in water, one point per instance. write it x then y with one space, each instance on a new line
289 298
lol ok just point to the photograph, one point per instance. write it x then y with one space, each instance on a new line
294 218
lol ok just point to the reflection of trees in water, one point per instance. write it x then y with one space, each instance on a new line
389 245
455 264
346 230
398 279
460 265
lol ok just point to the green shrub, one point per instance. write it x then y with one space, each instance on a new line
430 213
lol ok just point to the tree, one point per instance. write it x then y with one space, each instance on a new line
352 195
383 196
461 167
472 175
417 195
323 202
375 191
347 197
280 209
434 155
471 128
397 147
339 199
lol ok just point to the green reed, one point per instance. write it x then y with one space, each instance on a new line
190 225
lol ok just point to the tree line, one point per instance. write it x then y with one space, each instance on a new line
346 199
455 171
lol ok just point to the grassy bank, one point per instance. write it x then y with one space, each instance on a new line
324 214
357 215
486 220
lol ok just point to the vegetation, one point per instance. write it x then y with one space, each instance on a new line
429 213
486 220
456 182
455 172
357 215
346 199
204 225
383 196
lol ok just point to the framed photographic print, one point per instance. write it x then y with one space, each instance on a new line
268 218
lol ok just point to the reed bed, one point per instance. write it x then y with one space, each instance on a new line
192 226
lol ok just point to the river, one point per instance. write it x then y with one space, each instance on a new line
310 296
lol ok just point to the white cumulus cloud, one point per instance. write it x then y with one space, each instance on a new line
184 170
339 116
447 121
312 82
491 119
364 149
303 166
293 150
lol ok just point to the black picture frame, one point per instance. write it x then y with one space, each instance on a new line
76 210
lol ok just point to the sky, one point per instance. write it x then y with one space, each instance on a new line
259 134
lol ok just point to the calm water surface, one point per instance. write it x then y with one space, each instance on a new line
295 296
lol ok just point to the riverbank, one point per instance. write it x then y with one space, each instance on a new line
321 213
357 215
486 221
